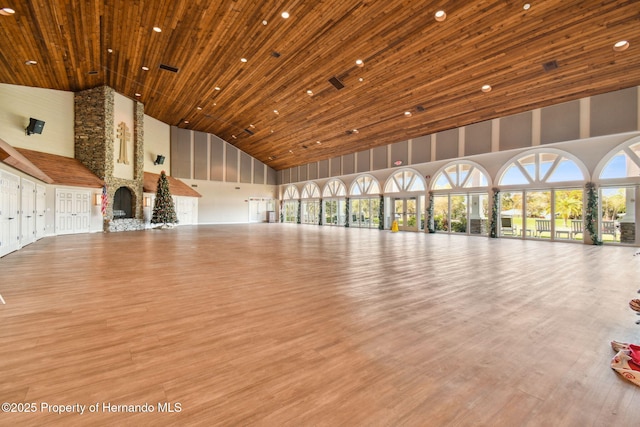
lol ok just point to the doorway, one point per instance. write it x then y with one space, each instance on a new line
406 213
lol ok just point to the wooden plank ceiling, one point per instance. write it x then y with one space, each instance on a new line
411 63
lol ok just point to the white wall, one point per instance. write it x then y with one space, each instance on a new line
54 107
157 140
227 202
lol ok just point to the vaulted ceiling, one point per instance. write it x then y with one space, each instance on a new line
418 75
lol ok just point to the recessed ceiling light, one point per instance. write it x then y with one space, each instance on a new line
216 88
440 15
145 68
264 22
157 29
199 108
186 122
360 79
355 131
233 136
214 104
6 11
110 50
359 62
285 15
276 112
291 151
243 59
318 142
30 62
272 131
252 126
137 94
309 92
407 113
486 88
526 6
621 45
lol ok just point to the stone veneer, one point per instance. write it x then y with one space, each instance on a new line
94 147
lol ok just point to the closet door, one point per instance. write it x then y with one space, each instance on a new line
41 211
27 213
9 213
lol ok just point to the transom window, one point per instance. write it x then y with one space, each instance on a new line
624 164
311 191
291 193
542 167
365 185
334 188
404 181
460 175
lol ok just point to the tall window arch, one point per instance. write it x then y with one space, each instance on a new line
290 198
619 179
461 198
405 193
333 202
310 204
364 203
542 196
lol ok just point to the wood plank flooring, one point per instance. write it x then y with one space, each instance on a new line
277 324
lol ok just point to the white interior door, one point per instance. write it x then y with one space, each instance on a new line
27 213
9 213
41 211
73 211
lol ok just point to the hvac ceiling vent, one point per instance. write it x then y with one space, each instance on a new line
336 83
550 66
168 68
249 131
275 54
420 108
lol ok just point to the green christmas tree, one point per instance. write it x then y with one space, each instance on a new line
163 210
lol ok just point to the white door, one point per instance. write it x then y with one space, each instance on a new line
28 213
73 211
82 211
9 213
41 211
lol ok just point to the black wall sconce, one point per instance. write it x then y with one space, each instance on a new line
159 160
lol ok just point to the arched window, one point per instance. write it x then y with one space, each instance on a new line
291 192
310 205
404 181
542 167
623 163
290 205
334 194
310 191
542 196
461 199
459 176
334 188
619 175
363 185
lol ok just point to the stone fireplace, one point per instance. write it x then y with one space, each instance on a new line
109 140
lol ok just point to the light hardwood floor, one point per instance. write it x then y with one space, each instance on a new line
275 324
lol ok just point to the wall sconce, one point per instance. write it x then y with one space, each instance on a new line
147 202
97 199
159 160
